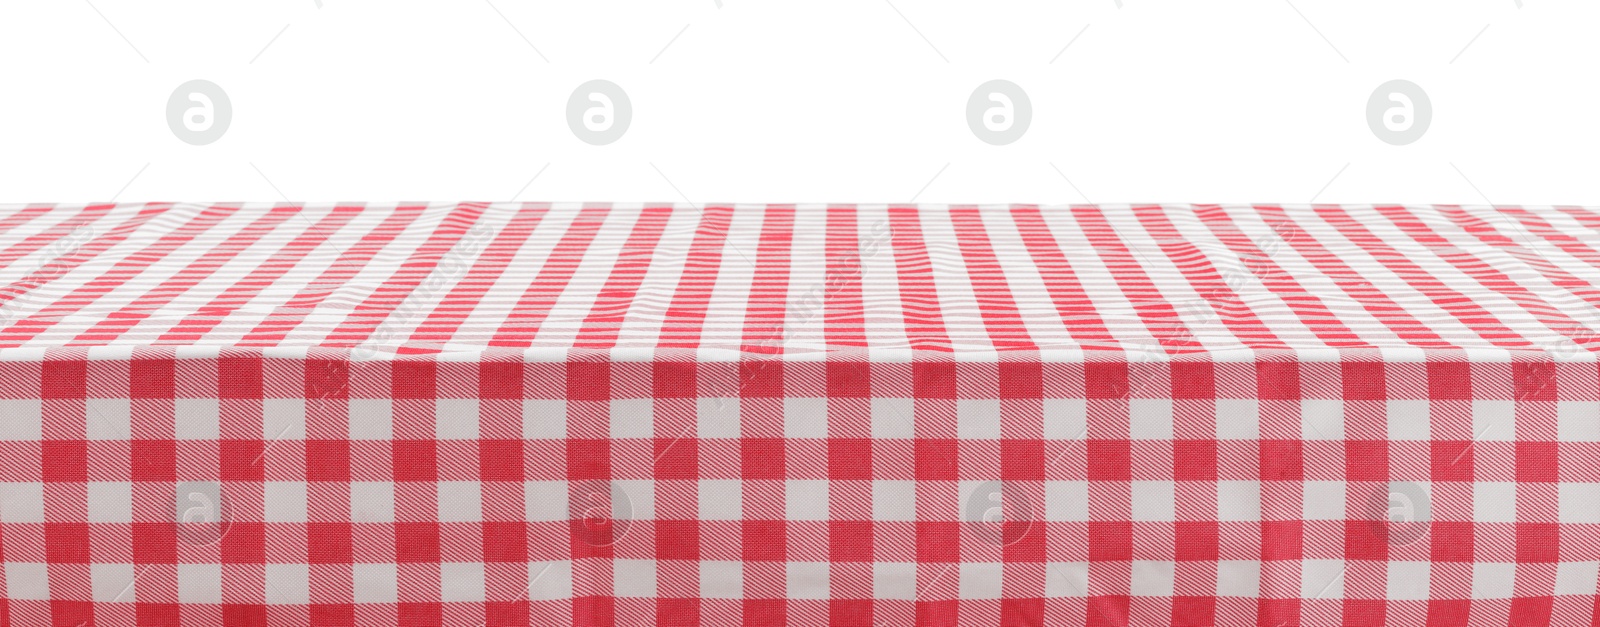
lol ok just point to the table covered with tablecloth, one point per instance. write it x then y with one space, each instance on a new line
540 414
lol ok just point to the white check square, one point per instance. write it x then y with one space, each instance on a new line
549 580
1408 581
200 583
807 580
1150 418
288 584
23 502
27 581
1152 578
374 583
283 418
1493 580
456 418
1494 501
1408 420
978 419
283 501
894 500
112 583
461 582
1238 419
981 580
1065 418
718 417
371 502
108 418
1579 502
805 417
371 419
196 418
632 418
721 580
1239 578
544 419
1153 501
1576 421
806 499
633 578
545 501
1066 501
894 580
460 501
721 499
892 418
1238 501
21 419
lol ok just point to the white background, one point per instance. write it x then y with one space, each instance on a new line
814 101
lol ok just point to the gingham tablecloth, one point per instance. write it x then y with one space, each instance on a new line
535 414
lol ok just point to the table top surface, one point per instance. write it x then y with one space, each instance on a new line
802 281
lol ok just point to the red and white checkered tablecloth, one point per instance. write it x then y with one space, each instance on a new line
542 414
